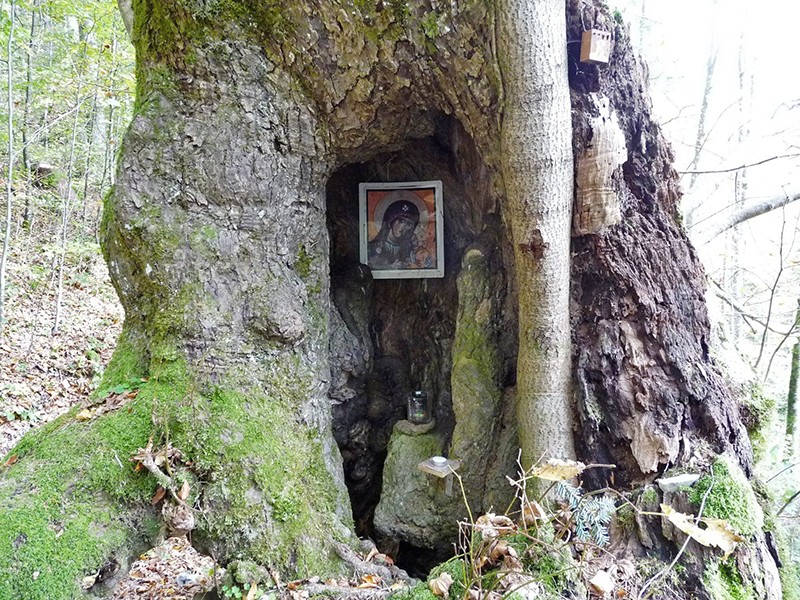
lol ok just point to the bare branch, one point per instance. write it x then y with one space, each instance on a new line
745 214
740 167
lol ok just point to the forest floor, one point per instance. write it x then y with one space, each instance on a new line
44 373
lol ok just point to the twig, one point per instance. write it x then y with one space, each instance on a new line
788 502
670 566
740 167
318 589
792 329
772 293
783 471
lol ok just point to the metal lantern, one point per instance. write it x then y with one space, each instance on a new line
419 407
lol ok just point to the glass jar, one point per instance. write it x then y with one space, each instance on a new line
419 407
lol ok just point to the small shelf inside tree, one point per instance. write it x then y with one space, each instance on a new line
439 470
443 471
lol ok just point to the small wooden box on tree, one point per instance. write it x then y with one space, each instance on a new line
595 47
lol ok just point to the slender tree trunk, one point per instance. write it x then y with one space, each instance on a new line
67 196
536 146
27 216
791 402
110 145
89 148
10 172
700 137
740 187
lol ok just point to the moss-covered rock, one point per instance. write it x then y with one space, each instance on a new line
731 497
72 504
413 506
723 582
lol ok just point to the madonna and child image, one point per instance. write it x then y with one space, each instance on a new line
401 229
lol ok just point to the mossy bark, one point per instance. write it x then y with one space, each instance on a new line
791 401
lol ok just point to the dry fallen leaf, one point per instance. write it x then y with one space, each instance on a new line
441 585
89 581
602 583
371 554
398 585
555 469
183 493
84 415
512 564
11 460
721 534
491 525
158 496
717 533
251 595
370 581
532 511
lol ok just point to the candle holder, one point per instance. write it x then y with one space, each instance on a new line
419 407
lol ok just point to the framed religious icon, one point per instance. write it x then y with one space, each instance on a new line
401 229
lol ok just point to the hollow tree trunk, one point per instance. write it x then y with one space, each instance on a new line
217 243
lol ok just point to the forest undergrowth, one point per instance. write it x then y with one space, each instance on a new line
43 374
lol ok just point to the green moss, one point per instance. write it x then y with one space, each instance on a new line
202 240
430 25
731 497
303 262
128 364
757 411
554 570
400 10
73 499
418 592
723 582
254 438
626 518
58 515
649 495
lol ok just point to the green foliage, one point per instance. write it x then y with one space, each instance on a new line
790 571
757 412
649 495
591 515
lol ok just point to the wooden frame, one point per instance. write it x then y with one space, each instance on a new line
401 227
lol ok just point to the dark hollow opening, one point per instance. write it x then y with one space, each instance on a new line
391 336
